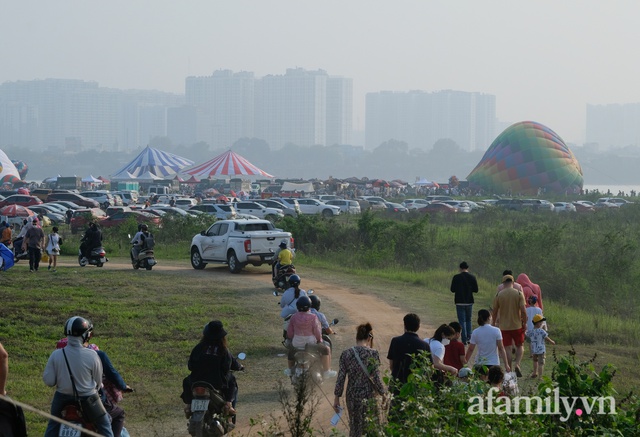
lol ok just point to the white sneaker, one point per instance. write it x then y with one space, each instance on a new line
287 372
329 374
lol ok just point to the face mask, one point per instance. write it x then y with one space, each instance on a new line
445 341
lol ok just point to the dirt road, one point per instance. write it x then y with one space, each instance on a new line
352 305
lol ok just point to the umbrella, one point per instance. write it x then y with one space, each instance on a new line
227 164
16 211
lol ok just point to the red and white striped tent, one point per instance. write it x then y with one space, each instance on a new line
227 164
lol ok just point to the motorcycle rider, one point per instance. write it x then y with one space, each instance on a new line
91 239
86 368
140 241
284 257
212 362
290 296
315 309
305 333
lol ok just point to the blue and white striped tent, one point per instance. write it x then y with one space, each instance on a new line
156 162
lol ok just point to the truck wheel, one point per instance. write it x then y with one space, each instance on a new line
327 213
234 265
196 259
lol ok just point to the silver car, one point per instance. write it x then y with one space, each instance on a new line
346 206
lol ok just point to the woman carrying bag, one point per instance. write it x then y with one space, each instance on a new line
362 364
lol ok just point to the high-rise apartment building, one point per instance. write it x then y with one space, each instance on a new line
300 107
225 101
421 118
54 113
613 126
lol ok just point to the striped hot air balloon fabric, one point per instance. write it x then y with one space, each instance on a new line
227 164
156 162
8 172
526 158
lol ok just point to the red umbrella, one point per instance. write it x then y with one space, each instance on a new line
16 211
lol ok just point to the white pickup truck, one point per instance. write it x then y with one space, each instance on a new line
237 243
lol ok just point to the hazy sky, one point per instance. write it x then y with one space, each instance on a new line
544 60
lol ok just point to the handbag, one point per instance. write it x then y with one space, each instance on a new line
91 406
383 400
44 257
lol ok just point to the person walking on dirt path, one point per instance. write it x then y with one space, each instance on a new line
361 363
403 347
530 289
464 284
34 241
509 308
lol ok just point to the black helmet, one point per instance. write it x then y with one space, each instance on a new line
315 302
294 280
78 327
303 303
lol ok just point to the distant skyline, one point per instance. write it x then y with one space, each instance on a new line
544 60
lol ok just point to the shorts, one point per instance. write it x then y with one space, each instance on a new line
539 358
515 335
318 348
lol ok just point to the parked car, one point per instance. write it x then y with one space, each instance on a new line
41 193
171 211
20 199
415 203
82 217
115 209
185 203
56 218
290 202
537 204
73 197
326 197
461 206
314 206
104 198
564 207
438 208
122 216
270 203
117 200
510 204
396 207
54 207
346 206
584 206
603 202
615 200
66 204
258 210
128 197
221 211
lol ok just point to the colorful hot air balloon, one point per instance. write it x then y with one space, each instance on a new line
8 172
525 158
22 168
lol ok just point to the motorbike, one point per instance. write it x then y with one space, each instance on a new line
71 413
208 418
146 258
308 364
18 254
97 257
282 275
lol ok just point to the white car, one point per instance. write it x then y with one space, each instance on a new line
346 206
415 203
314 206
260 211
270 203
221 211
564 207
185 203
104 198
